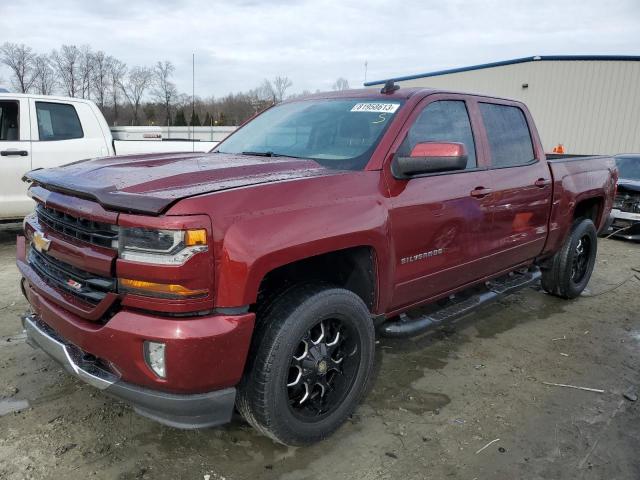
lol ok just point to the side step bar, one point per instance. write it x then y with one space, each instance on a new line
407 326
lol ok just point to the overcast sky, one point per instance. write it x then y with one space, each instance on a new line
238 43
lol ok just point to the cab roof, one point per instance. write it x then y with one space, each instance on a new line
401 93
9 95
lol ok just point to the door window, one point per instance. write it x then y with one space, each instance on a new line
9 127
58 121
442 121
508 135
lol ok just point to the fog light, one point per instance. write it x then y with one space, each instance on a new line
154 356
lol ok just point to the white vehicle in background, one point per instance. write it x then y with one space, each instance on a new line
42 131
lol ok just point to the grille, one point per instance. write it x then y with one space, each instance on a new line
62 276
95 233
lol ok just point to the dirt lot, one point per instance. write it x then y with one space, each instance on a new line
437 400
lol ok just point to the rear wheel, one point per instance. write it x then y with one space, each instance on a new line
572 265
310 363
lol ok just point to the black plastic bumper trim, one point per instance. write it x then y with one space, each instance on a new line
198 410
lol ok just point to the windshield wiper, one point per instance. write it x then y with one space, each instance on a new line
261 154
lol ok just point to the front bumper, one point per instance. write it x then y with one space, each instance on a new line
204 355
180 411
625 225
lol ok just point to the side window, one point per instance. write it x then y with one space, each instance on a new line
58 121
508 135
442 121
9 126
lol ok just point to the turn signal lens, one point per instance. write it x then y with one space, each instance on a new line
193 238
159 290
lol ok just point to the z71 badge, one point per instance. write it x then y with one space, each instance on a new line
421 256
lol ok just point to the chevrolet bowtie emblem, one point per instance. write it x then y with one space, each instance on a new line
40 242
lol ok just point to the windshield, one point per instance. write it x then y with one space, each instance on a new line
629 167
336 133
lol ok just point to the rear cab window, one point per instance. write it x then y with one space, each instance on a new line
508 135
9 124
58 121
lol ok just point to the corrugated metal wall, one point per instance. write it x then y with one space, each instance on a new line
591 107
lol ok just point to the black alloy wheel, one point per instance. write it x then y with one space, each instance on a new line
323 368
309 365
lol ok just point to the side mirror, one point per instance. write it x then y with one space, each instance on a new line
430 157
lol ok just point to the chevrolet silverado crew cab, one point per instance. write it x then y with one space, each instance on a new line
42 131
255 276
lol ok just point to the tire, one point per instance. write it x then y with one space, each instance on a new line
572 265
287 392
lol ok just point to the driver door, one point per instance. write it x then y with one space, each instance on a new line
440 227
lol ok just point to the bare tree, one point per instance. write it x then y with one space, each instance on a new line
21 61
165 91
67 63
280 87
45 81
85 70
265 93
341 84
100 78
137 82
117 72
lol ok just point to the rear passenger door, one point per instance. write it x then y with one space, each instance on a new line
520 183
439 228
15 157
64 132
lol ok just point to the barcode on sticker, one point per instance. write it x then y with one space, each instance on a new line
375 107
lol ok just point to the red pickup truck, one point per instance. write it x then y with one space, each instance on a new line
255 276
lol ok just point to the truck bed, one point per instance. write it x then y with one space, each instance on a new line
576 177
562 157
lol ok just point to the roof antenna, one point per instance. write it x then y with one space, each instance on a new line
389 87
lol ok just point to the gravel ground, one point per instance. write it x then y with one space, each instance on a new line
436 402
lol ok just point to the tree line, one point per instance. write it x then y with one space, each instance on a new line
134 95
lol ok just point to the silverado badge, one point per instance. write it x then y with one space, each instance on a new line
40 242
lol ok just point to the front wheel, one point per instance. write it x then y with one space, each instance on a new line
310 364
572 265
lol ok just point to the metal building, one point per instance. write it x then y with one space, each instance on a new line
589 104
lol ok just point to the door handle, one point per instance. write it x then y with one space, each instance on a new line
480 192
16 153
542 182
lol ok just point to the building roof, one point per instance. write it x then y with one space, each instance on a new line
623 58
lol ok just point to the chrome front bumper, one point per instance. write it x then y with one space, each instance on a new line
186 411
70 357
619 214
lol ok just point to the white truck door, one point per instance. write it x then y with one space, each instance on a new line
15 157
64 132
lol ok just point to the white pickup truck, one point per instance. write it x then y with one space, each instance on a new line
41 131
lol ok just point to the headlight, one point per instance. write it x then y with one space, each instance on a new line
160 247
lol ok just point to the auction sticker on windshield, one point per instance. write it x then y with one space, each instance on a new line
375 107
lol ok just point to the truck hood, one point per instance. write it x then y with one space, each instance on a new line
151 183
629 185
